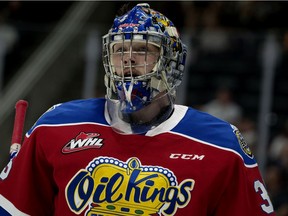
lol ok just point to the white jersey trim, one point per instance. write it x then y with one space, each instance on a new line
10 208
63 125
178 114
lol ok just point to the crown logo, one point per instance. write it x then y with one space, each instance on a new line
112 187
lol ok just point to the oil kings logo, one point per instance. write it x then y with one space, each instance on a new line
83 141
109 187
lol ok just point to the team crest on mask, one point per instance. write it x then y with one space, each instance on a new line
109 186
244 146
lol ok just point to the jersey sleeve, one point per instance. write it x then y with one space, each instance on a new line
26 185
245 192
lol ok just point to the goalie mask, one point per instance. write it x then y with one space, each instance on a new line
144 61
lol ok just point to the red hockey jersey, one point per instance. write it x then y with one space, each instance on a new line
73 163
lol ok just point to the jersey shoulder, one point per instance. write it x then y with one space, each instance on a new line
76 111
215 132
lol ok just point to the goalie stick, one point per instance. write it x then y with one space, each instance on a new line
16 142
20 114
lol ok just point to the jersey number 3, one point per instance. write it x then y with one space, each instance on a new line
259 188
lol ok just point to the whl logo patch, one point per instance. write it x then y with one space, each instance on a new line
83 141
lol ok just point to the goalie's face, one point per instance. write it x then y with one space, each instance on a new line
132 59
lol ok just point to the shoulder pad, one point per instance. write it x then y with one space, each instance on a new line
77 111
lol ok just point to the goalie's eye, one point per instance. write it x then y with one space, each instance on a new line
140 48
119 50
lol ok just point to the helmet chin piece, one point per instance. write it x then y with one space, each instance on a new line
133 95
148 117
138 106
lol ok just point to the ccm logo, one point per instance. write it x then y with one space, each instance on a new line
187 156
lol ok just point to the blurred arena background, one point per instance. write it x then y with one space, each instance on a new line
50 52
